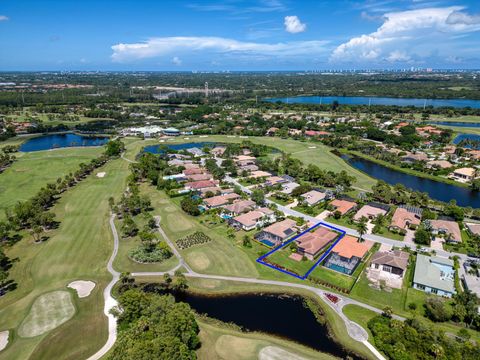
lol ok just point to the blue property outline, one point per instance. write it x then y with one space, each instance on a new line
324 255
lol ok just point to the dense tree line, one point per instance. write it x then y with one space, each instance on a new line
154 326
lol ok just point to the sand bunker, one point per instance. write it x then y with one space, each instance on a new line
101 174
312 147
3 339
82 287
276 353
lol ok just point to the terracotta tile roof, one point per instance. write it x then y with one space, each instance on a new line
343 206
402 217
240 206
201 184
220 200
448 226
313 242
369 211
349 247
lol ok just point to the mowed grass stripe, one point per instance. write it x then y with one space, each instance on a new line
77 250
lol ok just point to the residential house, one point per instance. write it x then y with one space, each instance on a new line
449 228
239 207
439 164
220 200
197 185
274 180
434 275
254 219
312 243
195 152
370 212
403 219
218 151
343 206
259 174
347 254
199 177
215 190
193 171
464 174
389 266
473 228
243 160
288 187
278 232
313 197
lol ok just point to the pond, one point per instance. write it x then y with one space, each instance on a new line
461 137
435 189
284 316
157 149
56 141
388 101
455 123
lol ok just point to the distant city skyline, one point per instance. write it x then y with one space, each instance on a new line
235 35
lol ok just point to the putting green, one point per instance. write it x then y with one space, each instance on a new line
47 312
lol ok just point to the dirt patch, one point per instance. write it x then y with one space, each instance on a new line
236 348
276 353
3 339
48 311
101 174
82 287
198 260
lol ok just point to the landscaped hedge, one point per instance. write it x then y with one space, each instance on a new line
150 254
197 238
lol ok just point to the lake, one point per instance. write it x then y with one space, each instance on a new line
388 101
157 149
435 189
461 137
455 123
48 142
283 316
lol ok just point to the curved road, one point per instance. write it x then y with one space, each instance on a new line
110 302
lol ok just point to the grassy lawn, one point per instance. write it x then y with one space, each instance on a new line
343 221
77 250
389 234
220 256
279 201
220 341
34 170
332 277
361 316
281 257
320 155
310 210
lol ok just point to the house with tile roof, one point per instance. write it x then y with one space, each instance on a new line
347 254
403 219
253 219
278 232
312 243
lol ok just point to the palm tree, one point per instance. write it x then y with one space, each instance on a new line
362 227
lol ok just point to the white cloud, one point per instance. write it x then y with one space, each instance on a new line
214 47
407 33
458 17
176 61
293 25
3 18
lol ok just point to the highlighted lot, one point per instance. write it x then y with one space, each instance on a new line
301 254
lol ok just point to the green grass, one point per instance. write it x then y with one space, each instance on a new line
389 234
220 256
34 170
332 277
219 341
77 250
281 257
360 315
49 311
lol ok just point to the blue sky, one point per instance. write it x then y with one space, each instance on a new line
179 35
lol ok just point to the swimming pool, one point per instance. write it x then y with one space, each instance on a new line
268 243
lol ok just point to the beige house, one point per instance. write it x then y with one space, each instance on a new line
464 174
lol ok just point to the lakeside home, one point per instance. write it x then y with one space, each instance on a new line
449 228
403 219
434 275
347 254
464 174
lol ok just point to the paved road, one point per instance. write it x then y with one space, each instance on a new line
110 302
349 231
